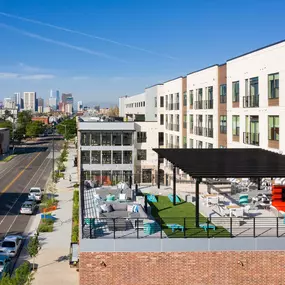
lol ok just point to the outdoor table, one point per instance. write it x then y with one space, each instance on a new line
174 227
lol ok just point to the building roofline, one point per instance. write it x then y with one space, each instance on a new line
203 68
264 47
154 85
173 79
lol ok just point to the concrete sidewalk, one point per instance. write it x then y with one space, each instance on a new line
53 259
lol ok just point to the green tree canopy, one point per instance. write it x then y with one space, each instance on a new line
24 118
67 128
34 129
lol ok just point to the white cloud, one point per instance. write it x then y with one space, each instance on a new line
11 75
80 77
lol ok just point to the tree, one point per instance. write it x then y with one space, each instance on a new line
7 124
7 114
24 118
113 111
33 247
34 128
67 128
51 188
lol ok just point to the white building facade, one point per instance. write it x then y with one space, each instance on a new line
256 105
30 101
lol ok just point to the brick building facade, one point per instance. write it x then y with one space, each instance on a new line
193 268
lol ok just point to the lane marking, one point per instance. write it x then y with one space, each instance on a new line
20 196
19 174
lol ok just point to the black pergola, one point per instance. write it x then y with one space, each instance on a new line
222 163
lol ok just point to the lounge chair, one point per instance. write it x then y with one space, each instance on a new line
177 199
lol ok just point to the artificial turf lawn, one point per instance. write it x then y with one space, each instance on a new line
183 214
8 158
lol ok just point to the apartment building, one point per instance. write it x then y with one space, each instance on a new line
256 107
30 99
115 151
141 107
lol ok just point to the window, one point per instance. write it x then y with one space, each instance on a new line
106 157
184 142
185 99
95 157
191 123
185 121
146 175
127 138
141 137
235 125
85 138
141 154
86 176
160 138
95 138
223 124
254 86
191 97
155 101
273 128
236 91
210 145
85 155
117 138
161 101
144 103
106 138
96 176
117 157
161 119
223 93
191 143
273 86
199 144
127 157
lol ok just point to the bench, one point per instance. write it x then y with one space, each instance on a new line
209 226
174 227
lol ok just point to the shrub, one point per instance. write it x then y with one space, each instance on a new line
75 217
75 233
46 226
76 185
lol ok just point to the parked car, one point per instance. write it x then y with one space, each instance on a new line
5 265
28 207
11 245
36 192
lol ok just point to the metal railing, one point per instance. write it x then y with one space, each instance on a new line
176 127
198 104
198 131
208 104
159 228
251 101
176 106
208 132
170 106
251 138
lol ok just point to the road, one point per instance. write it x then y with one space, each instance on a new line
30 168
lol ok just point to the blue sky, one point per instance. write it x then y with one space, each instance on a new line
101 50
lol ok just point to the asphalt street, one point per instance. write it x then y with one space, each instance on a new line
30 168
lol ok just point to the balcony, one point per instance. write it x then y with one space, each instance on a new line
208 132
251 138
176 106
176 128
208 104
198 105
170 106
251 101
198 131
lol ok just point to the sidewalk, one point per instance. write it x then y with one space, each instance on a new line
53 258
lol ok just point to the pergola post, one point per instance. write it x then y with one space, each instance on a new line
198 180
158 172
174 185
258 183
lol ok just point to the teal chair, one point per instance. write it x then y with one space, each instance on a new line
243 199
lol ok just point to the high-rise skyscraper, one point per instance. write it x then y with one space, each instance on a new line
17 98
9 103
30 101
57 96
79 106
40 105
65 96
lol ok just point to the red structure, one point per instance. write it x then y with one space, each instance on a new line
278 197
44 120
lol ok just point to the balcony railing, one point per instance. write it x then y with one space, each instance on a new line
176 127
251 101
208 104
170 106
198 105
225 227
251 138
176 106
208 132
198 131
236 132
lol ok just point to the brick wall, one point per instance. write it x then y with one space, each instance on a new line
183 268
